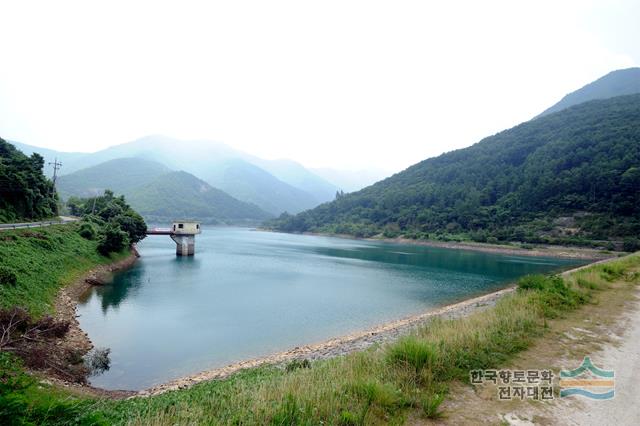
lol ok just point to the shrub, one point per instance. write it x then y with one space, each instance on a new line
112 240
7 277
88 231
554 293
492 240
631 244
133 224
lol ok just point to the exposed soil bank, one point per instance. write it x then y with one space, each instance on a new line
65 310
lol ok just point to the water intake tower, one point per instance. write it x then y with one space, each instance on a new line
183 232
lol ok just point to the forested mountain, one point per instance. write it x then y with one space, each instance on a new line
250 183
158 193
616 83
25 193
287 185
565 176
299 177
120 175
180 194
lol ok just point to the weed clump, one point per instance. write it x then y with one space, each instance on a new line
553 293
297 364
413 352
431 405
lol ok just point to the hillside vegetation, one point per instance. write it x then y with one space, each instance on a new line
245 181
565 177
120 176
43 260
25 193
180 194
158 193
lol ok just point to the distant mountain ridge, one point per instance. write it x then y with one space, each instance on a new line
158 193
120 175
283 185
616 83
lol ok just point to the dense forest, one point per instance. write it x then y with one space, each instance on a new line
570 177
25 193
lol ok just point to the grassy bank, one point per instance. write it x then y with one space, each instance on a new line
43 260
35 264
385 384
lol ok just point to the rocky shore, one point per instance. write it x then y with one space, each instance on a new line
339 346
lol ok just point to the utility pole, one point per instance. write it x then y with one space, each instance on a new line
56 166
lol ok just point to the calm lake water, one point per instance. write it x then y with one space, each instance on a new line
247 293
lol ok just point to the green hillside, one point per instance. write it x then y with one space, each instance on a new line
250 183
180 194
120 175
25 193
565 177
616 83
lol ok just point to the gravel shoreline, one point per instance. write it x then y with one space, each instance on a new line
339 346
535 250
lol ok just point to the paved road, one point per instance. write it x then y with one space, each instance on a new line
62 220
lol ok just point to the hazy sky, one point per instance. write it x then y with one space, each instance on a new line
334 84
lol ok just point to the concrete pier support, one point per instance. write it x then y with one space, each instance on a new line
185 244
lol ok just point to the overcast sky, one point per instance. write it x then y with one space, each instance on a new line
344 84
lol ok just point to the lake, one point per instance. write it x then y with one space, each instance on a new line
248 293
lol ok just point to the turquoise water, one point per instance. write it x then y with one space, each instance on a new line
248 293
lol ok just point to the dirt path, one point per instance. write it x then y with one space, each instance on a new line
608 331
624 358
